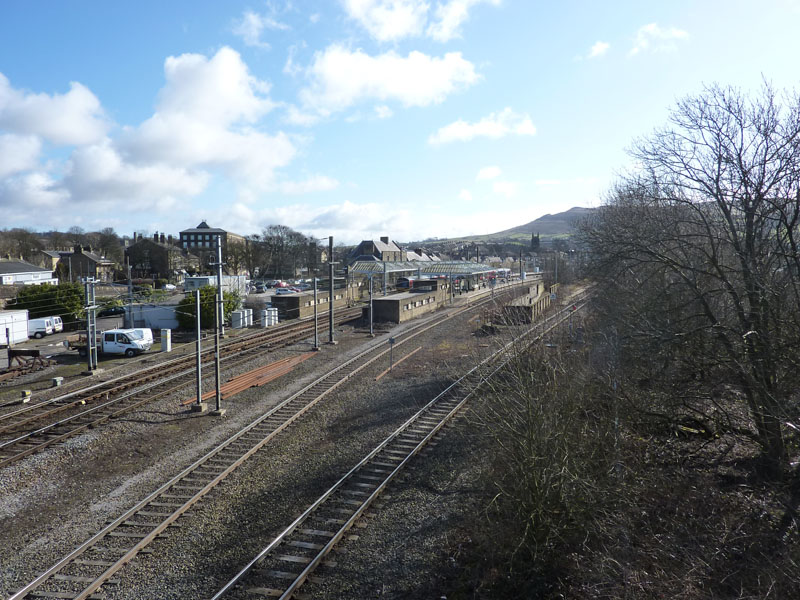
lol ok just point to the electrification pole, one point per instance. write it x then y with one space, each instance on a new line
200 406
316 331
371 332
220 318
219 410
332 298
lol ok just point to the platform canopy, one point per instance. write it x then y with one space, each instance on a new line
451 268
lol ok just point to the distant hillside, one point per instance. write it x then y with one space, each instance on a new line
548 225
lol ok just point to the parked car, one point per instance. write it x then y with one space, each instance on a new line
112 311
284 290
169 286
260 287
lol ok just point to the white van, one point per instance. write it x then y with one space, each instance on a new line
41 327
58 324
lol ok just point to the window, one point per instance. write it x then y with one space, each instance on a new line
109 337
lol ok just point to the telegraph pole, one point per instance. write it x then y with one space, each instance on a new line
332 298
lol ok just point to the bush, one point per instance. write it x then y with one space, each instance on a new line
64 300
186 308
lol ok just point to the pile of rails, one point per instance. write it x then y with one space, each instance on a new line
255 378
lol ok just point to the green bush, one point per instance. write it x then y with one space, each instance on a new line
186 308
64 300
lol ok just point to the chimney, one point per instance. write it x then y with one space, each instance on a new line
169 239
385 239
418 251
76 249
163 238
155 237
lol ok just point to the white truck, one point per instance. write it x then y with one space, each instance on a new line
13 325
41 327
129 342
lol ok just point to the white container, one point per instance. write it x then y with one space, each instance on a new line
237 319
15 322
249 312
262 318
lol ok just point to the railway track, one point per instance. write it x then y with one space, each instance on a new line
83 572
288 561
36 427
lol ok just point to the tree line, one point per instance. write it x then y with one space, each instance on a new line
696 253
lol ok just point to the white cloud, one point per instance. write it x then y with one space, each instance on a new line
18 153
251 26
547 182
314 18
316 183
341 77
450 16
206 117
388 20
297 116
74 118
652 37
488 173
465 195
505 188
496 125
208 121
383 112
218 90
24 195
291 67
98 174
393 20
599 49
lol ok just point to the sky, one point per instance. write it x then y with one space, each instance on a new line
353 118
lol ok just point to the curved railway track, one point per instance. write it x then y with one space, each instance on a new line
80 574
36 427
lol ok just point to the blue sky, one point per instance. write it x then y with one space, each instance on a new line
352 118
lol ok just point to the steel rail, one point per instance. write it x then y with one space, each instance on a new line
334 538
255 339
326 384
285 338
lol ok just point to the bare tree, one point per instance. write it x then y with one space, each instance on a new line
706 233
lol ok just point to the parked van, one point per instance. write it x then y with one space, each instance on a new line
129 342
58 324
39 328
